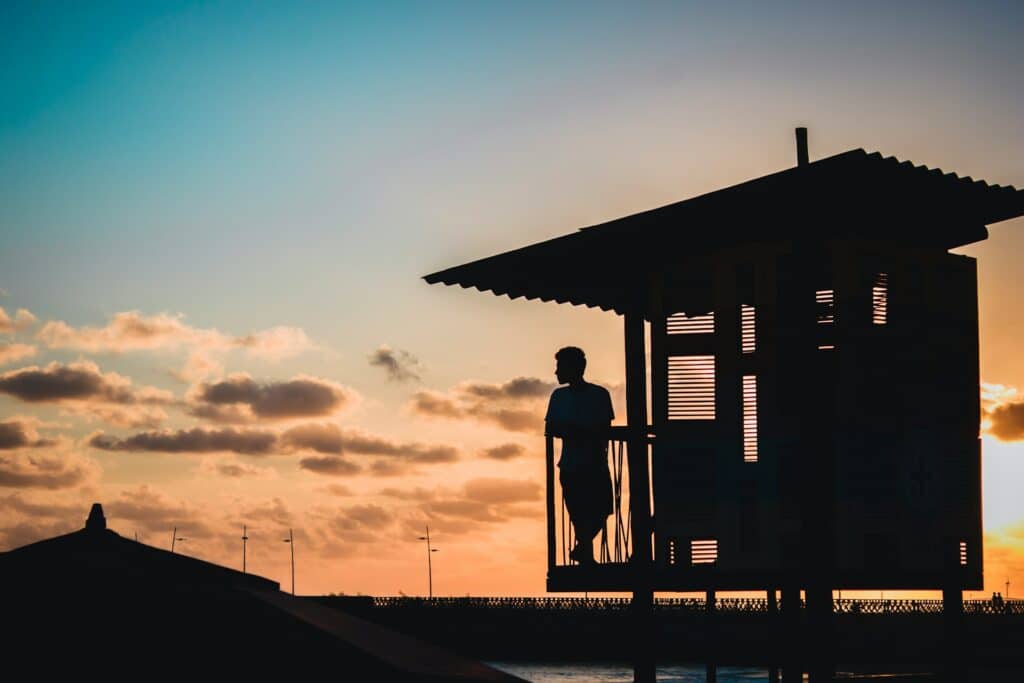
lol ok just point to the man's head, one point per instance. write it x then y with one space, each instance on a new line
570 362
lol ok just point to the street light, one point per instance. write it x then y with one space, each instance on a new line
430 568
291 542
245 538
175 537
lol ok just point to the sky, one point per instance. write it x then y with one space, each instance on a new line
214 218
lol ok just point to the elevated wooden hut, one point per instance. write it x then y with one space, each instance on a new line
814 379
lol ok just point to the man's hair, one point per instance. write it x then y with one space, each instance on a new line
573 357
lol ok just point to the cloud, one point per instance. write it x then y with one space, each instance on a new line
32 530
494 490
478 502
1006 421
21 433
198 366
516 405
329 438
15 502
518 388
389 468
195 440
10 353
1003 412
505 451
330 465
337 490
370 516
274 511
50 472
22 320
401 366
435 404
360 524
154 512
43 519
133 331
325 438
81 387
234 469
239 399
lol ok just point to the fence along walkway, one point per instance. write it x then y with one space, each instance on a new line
732 605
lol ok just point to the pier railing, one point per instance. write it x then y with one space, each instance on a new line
696 605
614 544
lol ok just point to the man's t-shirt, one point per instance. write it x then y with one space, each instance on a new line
589 406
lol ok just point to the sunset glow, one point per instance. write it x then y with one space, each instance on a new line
214 219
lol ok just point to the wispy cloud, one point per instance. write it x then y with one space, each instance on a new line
478 502
22 320
49 471
329 438
133 331
505 451
516 405
82 388
148 510
401 366
234 469
10 353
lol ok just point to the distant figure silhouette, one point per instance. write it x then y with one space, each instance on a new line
580 415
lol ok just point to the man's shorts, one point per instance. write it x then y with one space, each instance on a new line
588 495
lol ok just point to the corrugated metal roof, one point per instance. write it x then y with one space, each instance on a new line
853 194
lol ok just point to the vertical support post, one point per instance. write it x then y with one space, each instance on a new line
549 459
639 495
792 666
773 628
820 640
711 641
953 613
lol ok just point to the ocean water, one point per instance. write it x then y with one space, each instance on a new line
560 672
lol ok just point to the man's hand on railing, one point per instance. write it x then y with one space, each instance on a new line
566 430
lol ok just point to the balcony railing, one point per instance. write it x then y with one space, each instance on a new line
614 544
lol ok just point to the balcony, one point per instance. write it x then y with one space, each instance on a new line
614 545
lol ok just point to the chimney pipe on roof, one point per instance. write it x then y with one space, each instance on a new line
97 520
802 158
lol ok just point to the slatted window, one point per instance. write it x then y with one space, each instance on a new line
679 323
749 418
880 299
825 300
691 387
748 329
704 551
963 553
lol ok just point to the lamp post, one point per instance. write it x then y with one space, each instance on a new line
291 542
175 538
245 538
430 568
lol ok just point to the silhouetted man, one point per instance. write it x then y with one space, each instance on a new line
580 415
